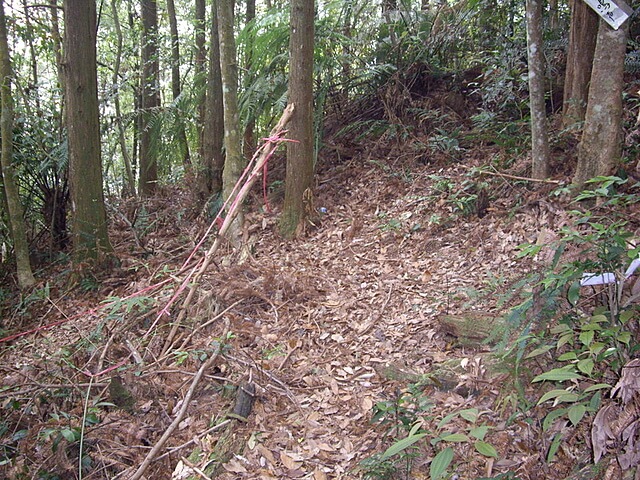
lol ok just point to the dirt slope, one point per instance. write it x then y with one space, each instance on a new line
325 326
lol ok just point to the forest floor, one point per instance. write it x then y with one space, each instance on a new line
342 323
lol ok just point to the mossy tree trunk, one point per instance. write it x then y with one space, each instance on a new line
12 197
300 152
600 146
90 239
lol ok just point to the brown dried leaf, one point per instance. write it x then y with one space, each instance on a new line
629 383
289 462
234 466
601 429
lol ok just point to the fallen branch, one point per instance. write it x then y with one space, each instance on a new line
516 177
236 201
176 421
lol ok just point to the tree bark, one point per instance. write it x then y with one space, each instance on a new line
150 96
249 142
57 44
300 152
213 141
234 162
582 44
12 196
35 80
200 69
90 239
539 136
175 80
601 143
130 179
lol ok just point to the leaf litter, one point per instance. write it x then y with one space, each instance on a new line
326 326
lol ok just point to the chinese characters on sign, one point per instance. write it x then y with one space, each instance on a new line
614 12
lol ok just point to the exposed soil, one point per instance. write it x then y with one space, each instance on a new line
325 326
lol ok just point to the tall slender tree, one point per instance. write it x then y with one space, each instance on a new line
57 42
122 140
16 221
150 92
539 136
300 152
175 79
249 143
582 45
234 162
90 238
213 141
200 67
601 143
35 78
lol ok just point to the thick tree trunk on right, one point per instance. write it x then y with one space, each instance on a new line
14 207
539 137
601 143
582 45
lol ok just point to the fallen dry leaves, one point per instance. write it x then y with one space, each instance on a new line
315 321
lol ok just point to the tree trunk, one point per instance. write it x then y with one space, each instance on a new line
300 152
14 207
582 44
33 84
249 143
57 43
539 137
234 162
56 201
137 94
553 15
130 179
90 239
601 143
150 96
200 70
175 80
213 141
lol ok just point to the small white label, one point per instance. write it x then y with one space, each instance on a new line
614 12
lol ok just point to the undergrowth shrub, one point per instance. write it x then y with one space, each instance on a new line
579 325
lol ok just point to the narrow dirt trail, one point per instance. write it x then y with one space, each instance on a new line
326 326
358 300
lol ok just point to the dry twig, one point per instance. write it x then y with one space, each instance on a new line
183 409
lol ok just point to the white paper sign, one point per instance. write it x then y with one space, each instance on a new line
609 277
614 12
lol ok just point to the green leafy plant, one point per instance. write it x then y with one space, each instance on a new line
592 322
402 418
445 142
137 304
406 416
472 433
